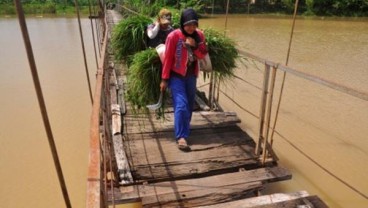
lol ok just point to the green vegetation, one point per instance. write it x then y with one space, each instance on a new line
306 7
45 7
128 36
144 78
144 65
222 52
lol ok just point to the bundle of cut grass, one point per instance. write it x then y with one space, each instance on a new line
144 78
222 52
145 68
129 36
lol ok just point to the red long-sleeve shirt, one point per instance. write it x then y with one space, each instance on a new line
176 54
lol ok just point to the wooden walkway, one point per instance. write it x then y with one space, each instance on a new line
220 168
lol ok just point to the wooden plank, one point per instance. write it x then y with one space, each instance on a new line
143 123
204 191
120 94
304 202
122 161
262 200
156 156
113 90
280 200
116 119
201 103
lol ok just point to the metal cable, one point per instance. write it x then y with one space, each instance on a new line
301 152
97 31
284 74
93 31
323 168
277 112
84 50
41 101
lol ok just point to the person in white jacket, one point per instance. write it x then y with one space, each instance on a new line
158 31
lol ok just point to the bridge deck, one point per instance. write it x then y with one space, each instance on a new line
220 168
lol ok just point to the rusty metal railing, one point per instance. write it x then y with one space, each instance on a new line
96 194
264 140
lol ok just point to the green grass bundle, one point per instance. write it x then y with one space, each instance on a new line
129 36
222 52
144 77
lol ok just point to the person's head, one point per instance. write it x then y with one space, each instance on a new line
164 18
189 21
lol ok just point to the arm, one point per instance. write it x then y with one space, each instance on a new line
168 62
169 56
201 51
152 30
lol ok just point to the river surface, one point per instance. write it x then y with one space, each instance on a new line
316 123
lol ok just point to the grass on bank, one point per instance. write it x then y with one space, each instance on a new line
48 8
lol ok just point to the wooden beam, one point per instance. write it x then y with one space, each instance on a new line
203 191
262 109
122 161
262 200
145 123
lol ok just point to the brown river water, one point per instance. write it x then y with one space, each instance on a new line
316 123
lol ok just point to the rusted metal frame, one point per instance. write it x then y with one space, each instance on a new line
41 101
103 16
108 130
218 90
278 108
339 87
216 79
98 32
266 75
104 141
284 76
105 135
84 50
210 90
292 32
93 30
94 180
266 145
227 12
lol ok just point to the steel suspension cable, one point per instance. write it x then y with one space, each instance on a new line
218 81
41 101
277 112
93 31
84 50
97 31
284 74
323 168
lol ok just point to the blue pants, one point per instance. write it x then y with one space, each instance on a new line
183 91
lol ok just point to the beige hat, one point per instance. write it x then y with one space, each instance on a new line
165 16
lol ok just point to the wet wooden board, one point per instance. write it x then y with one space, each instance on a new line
202 191
278 200
143 123
155 156
305 202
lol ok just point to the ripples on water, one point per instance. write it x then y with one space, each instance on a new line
328 126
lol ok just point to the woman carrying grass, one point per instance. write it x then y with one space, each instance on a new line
184 46
158 31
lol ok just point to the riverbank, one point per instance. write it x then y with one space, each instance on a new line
62 9
43 9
